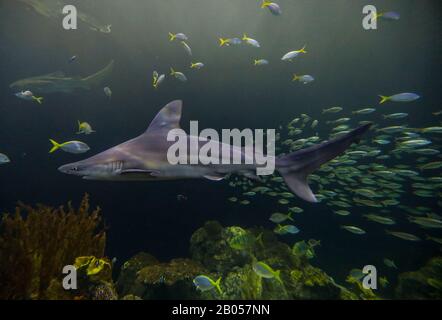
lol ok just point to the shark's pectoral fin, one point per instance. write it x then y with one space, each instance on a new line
151 173
215 177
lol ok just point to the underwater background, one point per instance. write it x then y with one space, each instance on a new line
351 66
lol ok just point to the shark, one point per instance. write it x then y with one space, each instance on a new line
59 82
53 9
144 158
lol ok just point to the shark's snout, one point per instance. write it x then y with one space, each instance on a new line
87 170
70 169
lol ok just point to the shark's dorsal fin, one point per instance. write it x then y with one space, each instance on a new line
167 119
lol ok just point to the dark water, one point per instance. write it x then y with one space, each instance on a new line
351 66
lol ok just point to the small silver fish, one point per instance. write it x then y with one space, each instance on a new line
261 62
4 158
187 48
403 235
274 8
107 92
400 97
28 96
390 263
75 147
353 229
179 75
289 56
159 80
72 59
197 65
178 36
391 15
205 283
250 41
305 79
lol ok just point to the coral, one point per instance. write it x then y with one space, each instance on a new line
241 283
425 283
172 280
308 282
171 272
37 242
104 291
218 249
143 276
359 292
126 283
131 297
210 246
229 253
95 279
346 294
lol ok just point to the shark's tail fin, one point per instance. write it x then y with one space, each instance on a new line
295 167
97 78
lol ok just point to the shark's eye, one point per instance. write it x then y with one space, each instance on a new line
74 169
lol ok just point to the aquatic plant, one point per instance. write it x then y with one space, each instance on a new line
37 242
